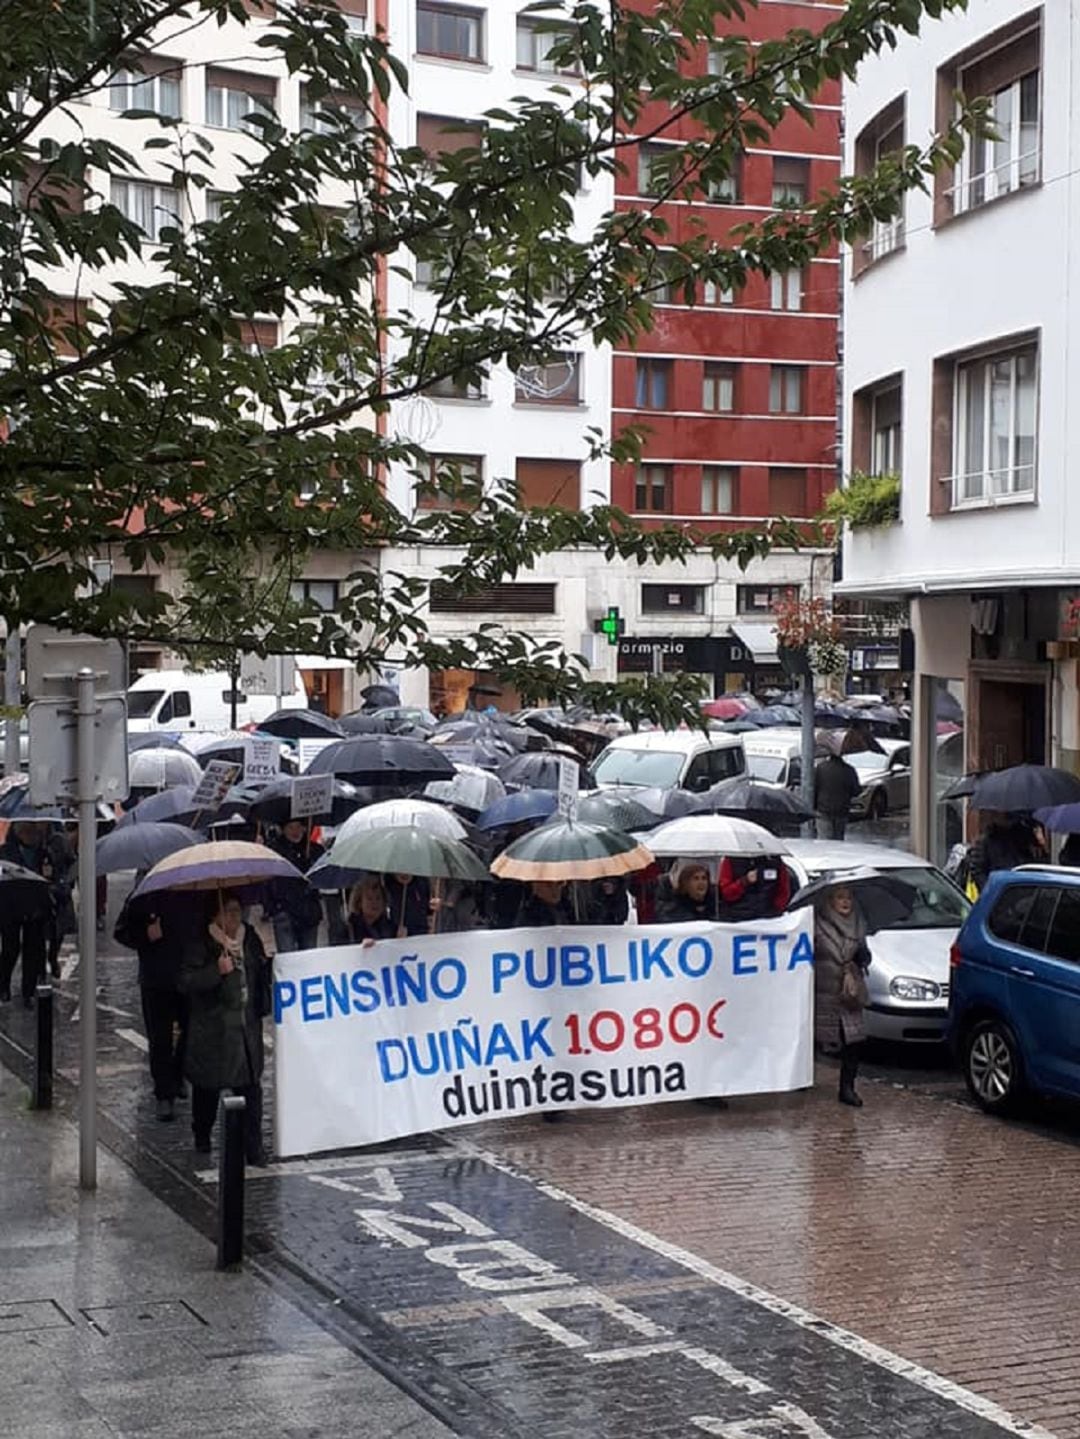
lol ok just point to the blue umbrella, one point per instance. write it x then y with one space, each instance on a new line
520 808
140 846
1060 818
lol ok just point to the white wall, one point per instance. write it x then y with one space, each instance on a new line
1001 269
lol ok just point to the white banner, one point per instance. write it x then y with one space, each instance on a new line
262 759
407 1036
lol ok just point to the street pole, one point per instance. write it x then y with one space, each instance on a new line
807 787
86 712
12 695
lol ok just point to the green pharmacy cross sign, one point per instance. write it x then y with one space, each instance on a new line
611 625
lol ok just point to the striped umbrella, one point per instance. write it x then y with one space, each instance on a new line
220 864
569 850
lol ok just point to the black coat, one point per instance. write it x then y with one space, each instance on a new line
674 907
54 859
290 897
160 960
836 783
409 904
536 914
1002 846
360 929
224 1042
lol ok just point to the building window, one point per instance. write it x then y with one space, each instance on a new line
158 92
323 594
669 599
994 426
652 489
786 389
718 489
790 180
718 387
154 208
329 114
536 39
881 140
886 427
786 289
763 599
449 32
453 387
547 483
516 599
556 382
712 294
652 384
444 135
257 336
215 202
725 189
447 477
787 491
232 98
658 165
1004 70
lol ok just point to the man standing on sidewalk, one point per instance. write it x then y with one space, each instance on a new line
836 783
159 940
26 936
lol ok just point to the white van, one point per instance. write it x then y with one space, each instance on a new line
670 759
774 757
192 700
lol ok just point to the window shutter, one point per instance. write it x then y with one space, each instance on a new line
519 599
549 482
443 134
241 80
787 492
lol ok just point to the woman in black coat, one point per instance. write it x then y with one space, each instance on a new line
686 894
226 976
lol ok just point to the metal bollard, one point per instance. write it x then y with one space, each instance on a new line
230 1247
42 1095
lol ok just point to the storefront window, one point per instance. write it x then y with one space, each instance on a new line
950 762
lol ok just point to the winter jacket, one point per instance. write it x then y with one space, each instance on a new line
767 896
302 905
1001 846
674 907
225 1042
836 783
408 904
834 1022
160 960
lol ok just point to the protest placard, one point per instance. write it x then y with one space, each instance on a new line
311 794
262 759
218 778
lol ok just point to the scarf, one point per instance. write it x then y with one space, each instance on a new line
233 945
840 933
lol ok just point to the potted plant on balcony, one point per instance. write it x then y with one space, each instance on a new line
808 639
864 502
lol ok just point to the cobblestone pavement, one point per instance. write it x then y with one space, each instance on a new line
672 1271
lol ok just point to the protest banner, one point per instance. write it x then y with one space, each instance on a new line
218 778
408 1036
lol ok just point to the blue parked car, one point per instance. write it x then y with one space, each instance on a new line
1014 1005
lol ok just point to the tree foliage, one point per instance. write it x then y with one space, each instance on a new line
144 425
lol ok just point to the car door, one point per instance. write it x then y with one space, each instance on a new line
898 779
698 773
1047 984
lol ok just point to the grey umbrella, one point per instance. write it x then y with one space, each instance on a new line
882 900
140 846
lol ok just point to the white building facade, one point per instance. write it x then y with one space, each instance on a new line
958 374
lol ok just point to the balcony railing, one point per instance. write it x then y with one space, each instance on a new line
980 489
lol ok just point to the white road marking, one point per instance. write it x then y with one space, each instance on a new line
134 1037
842 1338
364 1164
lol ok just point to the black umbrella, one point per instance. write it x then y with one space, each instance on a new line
382 760
764 804
615 809
380 696
362 722
882 900
273 805
1025 787
22 890
171 806
481 753
300 724
140 846
533 770
963 787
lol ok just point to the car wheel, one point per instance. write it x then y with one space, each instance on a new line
993 1067
877 806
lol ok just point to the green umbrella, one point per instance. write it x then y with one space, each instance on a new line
568 850
399 849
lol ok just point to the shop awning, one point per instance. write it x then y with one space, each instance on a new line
322 662
759 640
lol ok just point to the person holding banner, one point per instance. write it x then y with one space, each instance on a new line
841 959
368 916
296 911
755 888
226 975
686 893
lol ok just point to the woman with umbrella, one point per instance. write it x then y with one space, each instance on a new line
295 911
369 919
686 893
226 977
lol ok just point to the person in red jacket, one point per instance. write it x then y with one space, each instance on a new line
756 888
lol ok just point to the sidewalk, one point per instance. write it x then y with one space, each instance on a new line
114 1322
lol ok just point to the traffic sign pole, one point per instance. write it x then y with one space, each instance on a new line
85 711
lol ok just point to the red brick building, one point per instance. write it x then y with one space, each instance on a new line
739 391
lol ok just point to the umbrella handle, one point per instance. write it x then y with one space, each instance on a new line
435 913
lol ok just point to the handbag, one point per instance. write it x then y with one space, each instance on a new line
852 988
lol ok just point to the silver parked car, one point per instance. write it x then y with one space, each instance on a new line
886 780
909 970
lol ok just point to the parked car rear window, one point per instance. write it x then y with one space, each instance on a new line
1022 915
1063 941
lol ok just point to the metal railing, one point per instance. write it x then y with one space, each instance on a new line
981 488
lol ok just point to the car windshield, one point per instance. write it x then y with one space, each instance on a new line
868 764
767 767
638 766
141 703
